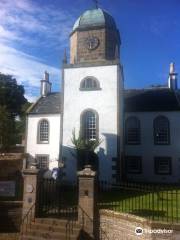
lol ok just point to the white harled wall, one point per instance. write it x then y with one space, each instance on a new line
51 148
148 150
104 102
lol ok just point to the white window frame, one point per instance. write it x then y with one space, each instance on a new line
89 84
131 133
89 127
39 139
40 162
161 135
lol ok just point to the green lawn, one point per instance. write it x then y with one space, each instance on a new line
159 205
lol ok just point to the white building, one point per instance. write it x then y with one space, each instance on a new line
152 133
91 102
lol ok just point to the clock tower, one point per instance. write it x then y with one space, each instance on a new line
94 38
93 93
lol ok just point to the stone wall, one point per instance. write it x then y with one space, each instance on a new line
9 236
10 216
11 165
120 226
106 49
11 204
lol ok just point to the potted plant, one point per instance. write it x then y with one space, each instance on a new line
85 151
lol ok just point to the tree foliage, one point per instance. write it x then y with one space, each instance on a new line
11 95
21 123
12 101
6 129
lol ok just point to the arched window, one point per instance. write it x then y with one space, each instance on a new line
43 131
161 131
89 122
132 130
89 83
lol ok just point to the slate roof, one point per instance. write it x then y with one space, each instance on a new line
136 100
51 104
149 100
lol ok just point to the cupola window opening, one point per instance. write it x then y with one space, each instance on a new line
89 84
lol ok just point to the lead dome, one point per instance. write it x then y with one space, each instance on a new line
95 18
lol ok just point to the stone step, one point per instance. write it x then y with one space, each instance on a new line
51 229
51 221
54 228
36 237
50 235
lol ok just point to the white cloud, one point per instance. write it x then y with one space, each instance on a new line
24 18
24 24
26 69
31 98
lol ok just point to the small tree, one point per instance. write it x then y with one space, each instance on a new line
11 101
85 151
20 124
11 95
7 135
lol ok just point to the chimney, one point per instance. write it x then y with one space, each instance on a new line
172 81
45 85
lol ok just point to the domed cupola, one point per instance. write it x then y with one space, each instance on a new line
94 38
94 18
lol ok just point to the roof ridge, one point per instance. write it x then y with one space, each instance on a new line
33 105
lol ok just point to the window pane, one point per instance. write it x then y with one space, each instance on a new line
132 131
43 161
89 122
134 164
161 130
162 165
44 131
89 84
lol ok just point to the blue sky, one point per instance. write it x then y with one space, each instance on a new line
33 35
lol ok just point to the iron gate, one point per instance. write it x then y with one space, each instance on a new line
56 199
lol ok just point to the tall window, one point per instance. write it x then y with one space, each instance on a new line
43 131
89 125
161 131
89 83
132 130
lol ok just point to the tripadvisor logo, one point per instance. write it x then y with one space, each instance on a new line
138 231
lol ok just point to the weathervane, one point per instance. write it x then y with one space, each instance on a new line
96 3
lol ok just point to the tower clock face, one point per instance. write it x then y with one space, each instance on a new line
92 43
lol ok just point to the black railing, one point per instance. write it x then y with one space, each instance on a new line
56 200
152 201
27 220
71 223
86 224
